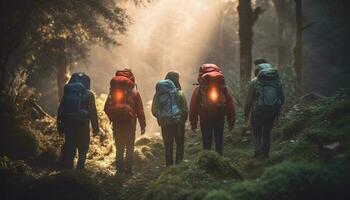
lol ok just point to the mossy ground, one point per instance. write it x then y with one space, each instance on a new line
310 158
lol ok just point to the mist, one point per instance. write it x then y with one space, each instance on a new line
165 35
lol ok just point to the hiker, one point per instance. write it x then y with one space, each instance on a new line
123 107
76 111
169 106
211 102
263 104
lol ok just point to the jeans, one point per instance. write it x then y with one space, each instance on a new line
124 136
262 127
171 133
208 131
76 139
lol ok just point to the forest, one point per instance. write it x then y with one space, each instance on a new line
45 44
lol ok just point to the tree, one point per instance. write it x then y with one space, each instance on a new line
50 33
286 23
247 19
298 49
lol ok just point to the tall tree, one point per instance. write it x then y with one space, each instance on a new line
247 18
48 29
298 49
285 17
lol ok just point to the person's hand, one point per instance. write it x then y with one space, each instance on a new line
143 131
194 128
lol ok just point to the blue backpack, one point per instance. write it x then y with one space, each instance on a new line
169 111
268 89
72 100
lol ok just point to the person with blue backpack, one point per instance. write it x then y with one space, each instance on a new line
170 108
76 111
263 104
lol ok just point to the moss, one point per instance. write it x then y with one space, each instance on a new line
213 163
142 141
48 157
217 195
338 109
65 185
289 180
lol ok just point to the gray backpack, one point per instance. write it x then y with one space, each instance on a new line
268 92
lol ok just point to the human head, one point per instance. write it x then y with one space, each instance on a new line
260 61
174 77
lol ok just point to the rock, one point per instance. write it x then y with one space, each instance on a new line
310 97
332 146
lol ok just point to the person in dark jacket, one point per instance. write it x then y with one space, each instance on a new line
212 123
77 135
262 120
173 132
124 132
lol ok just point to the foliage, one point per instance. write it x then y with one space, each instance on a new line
291 180
193 179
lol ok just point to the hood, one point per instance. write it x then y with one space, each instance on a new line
175 78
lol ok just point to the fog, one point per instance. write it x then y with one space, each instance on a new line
165 35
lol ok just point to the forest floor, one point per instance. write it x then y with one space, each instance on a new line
310 158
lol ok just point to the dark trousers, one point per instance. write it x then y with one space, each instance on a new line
171 133
75 139
124 136
208 131
262 127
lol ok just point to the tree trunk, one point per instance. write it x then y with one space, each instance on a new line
247 19
298 49
62 68
280 7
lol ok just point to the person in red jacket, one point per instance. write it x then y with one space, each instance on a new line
123 108
211 103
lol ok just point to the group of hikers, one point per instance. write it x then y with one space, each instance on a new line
211 104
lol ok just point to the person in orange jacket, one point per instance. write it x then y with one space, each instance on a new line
211 103
123 108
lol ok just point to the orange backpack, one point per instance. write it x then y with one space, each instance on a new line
212 88
122 93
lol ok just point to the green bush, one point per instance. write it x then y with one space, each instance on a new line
213 163
290 181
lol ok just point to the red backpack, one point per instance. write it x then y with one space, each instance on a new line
212 88
122 92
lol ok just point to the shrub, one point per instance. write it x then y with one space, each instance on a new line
289 181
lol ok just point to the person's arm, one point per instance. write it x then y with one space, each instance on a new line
230 110
194 112
249 101
155 107
92 113
183 106
59 118
140 114
107 108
